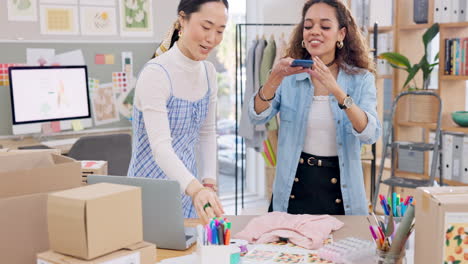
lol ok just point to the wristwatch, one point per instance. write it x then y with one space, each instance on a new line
347 103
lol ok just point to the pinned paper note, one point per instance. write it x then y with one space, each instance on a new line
99 59
46 129
55 126
104 59
77 125
119 82
4 81
127 64
40 57
93 84
109 59
104 105
74 57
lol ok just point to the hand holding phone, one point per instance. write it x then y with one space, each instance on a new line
302 63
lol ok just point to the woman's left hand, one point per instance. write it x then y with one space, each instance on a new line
323 74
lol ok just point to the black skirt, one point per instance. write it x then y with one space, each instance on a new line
316 188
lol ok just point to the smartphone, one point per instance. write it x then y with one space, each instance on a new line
302 63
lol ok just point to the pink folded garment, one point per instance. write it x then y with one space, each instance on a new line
307 231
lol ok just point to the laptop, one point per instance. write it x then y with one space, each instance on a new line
163 220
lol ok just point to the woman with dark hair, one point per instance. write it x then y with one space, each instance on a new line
326 113
174 113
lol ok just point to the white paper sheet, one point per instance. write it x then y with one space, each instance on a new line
74 57
38 57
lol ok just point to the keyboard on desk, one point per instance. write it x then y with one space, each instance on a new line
59 142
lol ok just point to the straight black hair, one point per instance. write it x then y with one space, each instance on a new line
189 7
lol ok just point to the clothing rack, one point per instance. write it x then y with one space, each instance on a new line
239 92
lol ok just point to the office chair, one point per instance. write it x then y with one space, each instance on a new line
116 149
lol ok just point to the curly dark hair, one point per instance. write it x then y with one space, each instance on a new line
355 51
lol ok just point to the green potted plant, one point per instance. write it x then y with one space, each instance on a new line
400 61
419 108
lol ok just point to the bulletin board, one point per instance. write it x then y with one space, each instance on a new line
16 53
95 27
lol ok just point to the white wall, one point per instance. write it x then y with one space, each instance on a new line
274 11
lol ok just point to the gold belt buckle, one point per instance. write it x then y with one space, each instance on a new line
309 161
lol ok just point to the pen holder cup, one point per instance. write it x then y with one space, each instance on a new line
397 221
218 254
385 257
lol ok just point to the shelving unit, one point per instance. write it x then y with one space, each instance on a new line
408 41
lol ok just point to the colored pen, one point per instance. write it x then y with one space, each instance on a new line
219 229
209 235
227 237
406 200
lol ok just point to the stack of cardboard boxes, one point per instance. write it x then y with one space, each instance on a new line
25 179
100 223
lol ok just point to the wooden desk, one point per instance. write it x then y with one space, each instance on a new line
64 149
355 226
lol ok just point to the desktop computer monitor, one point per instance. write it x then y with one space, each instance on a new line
45 94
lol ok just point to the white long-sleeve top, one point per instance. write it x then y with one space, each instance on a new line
189 82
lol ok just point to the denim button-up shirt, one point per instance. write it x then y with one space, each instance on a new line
293 101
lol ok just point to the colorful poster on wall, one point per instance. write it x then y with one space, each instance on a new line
22 10
104 105
136 18
59 20
98 20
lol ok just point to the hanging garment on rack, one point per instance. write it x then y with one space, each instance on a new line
281 46
246 128
268 58
258 65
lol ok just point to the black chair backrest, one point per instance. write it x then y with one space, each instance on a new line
116 149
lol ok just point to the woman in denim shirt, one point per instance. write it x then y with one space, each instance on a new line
326 113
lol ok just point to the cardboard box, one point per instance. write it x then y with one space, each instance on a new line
37 172
88 167
23 228
23 219
140 253
94 220
22 151
441 224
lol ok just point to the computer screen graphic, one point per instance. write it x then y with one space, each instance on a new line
41 94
